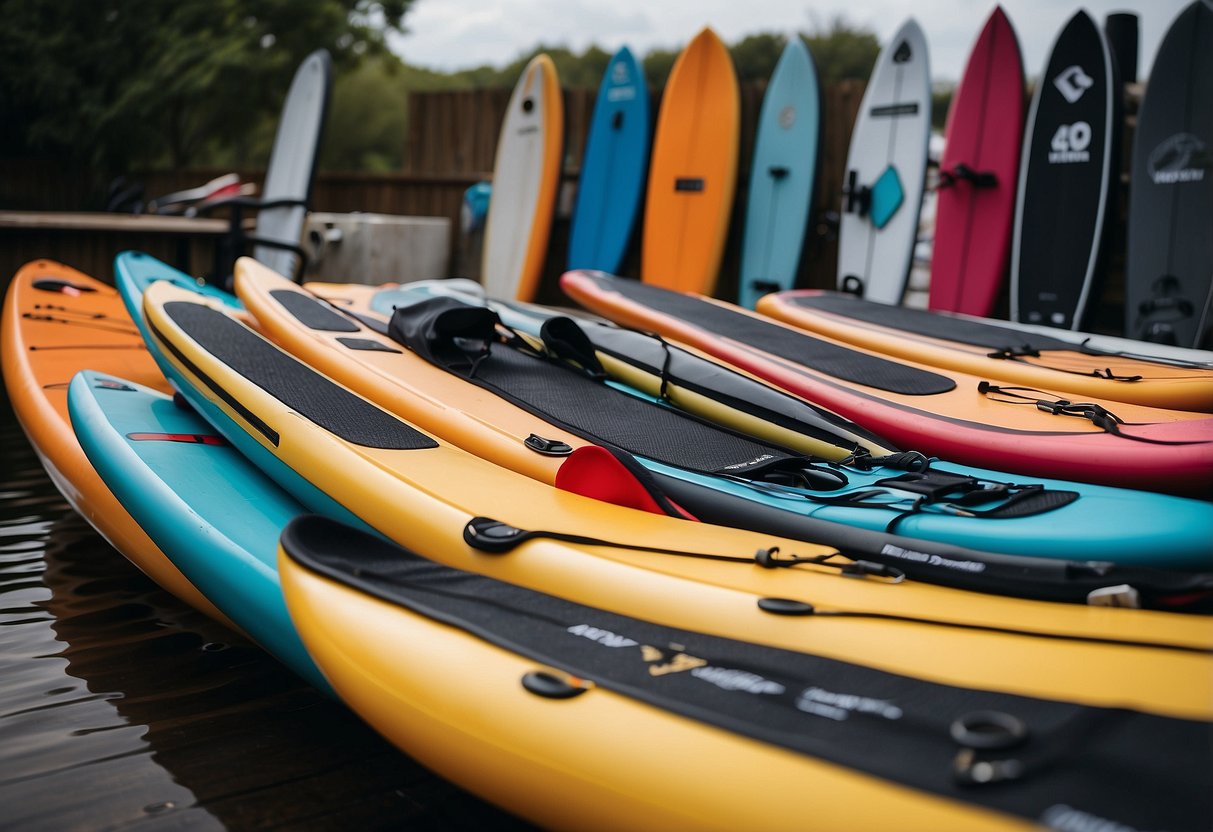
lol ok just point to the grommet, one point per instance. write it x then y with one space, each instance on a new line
989 730
547 447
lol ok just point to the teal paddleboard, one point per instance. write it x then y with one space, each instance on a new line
782 175
209 509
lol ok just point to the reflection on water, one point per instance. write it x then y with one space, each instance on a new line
120 707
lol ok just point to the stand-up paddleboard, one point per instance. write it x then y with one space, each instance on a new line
612 170
994 350
782 175
886 171
293 165
956 416
211 511
978 175
1169 282
526 176
1044 519
694 170
521 696
58 321
1066 179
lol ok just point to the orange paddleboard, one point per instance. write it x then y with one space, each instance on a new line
693 171
58 321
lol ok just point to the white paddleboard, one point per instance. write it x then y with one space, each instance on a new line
886 171
526 175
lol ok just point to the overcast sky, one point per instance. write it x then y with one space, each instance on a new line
456 34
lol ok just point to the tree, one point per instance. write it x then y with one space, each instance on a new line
842 51
755 56
124 83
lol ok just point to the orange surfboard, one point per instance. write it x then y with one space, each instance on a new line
58 321
693 171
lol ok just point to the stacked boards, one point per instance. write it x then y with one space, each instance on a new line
613 168
953 415
1169 282
693 172
1066 177
526 176
996 350
979 174
782 175
886 171
58 321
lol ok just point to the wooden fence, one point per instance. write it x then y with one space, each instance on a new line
451 145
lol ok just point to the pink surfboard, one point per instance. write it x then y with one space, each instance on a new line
978 175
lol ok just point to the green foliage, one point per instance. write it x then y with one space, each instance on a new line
755 56
842 51
138 84
122 83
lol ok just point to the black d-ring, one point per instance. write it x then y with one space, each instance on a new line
550 686
989 730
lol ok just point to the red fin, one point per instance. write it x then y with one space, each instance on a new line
595 472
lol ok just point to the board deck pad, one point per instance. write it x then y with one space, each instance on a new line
783 173
979 174
1169 280
693 173
1065 180
613 168
526 175
886 171
795 699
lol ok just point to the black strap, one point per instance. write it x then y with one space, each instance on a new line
1019 353
1098 415
978 179
494 537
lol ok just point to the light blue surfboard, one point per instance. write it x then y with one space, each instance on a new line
782 176
209 509
613 168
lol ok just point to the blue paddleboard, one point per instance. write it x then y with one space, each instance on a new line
209 509
613 168
782 176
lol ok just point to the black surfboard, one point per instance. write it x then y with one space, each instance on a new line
1169 280
1069 159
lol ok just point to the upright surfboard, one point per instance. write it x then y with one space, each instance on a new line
1169 284
612 171
694 169
886 170
526 175
782 176
1065 177
978 175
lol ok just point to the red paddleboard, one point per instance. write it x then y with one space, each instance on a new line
978 175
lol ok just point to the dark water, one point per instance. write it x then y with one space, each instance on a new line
121 707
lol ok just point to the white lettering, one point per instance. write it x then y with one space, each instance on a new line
604 637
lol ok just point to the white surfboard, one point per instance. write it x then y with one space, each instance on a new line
886 170
526 175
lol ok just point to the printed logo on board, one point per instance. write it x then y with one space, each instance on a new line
1181 158
1072 82
1069 144
787 117
839 706
619 73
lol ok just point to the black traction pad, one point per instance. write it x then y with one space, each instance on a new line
312 313
598 412
292 382
801 348
1124 768
933 324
